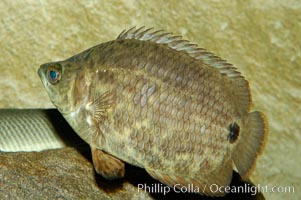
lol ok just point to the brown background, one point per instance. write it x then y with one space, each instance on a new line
261 38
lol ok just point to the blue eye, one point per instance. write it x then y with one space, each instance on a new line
53 75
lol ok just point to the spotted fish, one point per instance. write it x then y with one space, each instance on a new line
156 101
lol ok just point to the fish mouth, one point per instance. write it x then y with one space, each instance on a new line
41 74
41 71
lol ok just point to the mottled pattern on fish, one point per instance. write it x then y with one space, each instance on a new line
158 102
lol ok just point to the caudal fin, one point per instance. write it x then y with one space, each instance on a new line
251 144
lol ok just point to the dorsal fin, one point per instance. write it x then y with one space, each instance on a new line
177 43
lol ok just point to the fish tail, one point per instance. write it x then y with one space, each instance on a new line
252 142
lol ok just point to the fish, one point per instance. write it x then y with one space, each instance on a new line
156 101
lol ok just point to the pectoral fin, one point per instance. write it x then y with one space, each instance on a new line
101 104
98 112
106 165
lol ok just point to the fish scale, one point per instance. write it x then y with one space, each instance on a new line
157 101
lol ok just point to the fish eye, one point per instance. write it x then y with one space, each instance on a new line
53 75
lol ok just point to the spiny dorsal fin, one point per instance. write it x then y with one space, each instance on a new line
177 43
241 92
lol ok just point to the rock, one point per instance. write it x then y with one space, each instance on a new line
68 174
57 174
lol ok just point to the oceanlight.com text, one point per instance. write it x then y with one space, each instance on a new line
251 189
214 188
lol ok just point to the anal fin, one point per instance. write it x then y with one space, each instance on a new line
200 183
106 165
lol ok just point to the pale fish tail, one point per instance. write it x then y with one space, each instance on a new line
252 142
